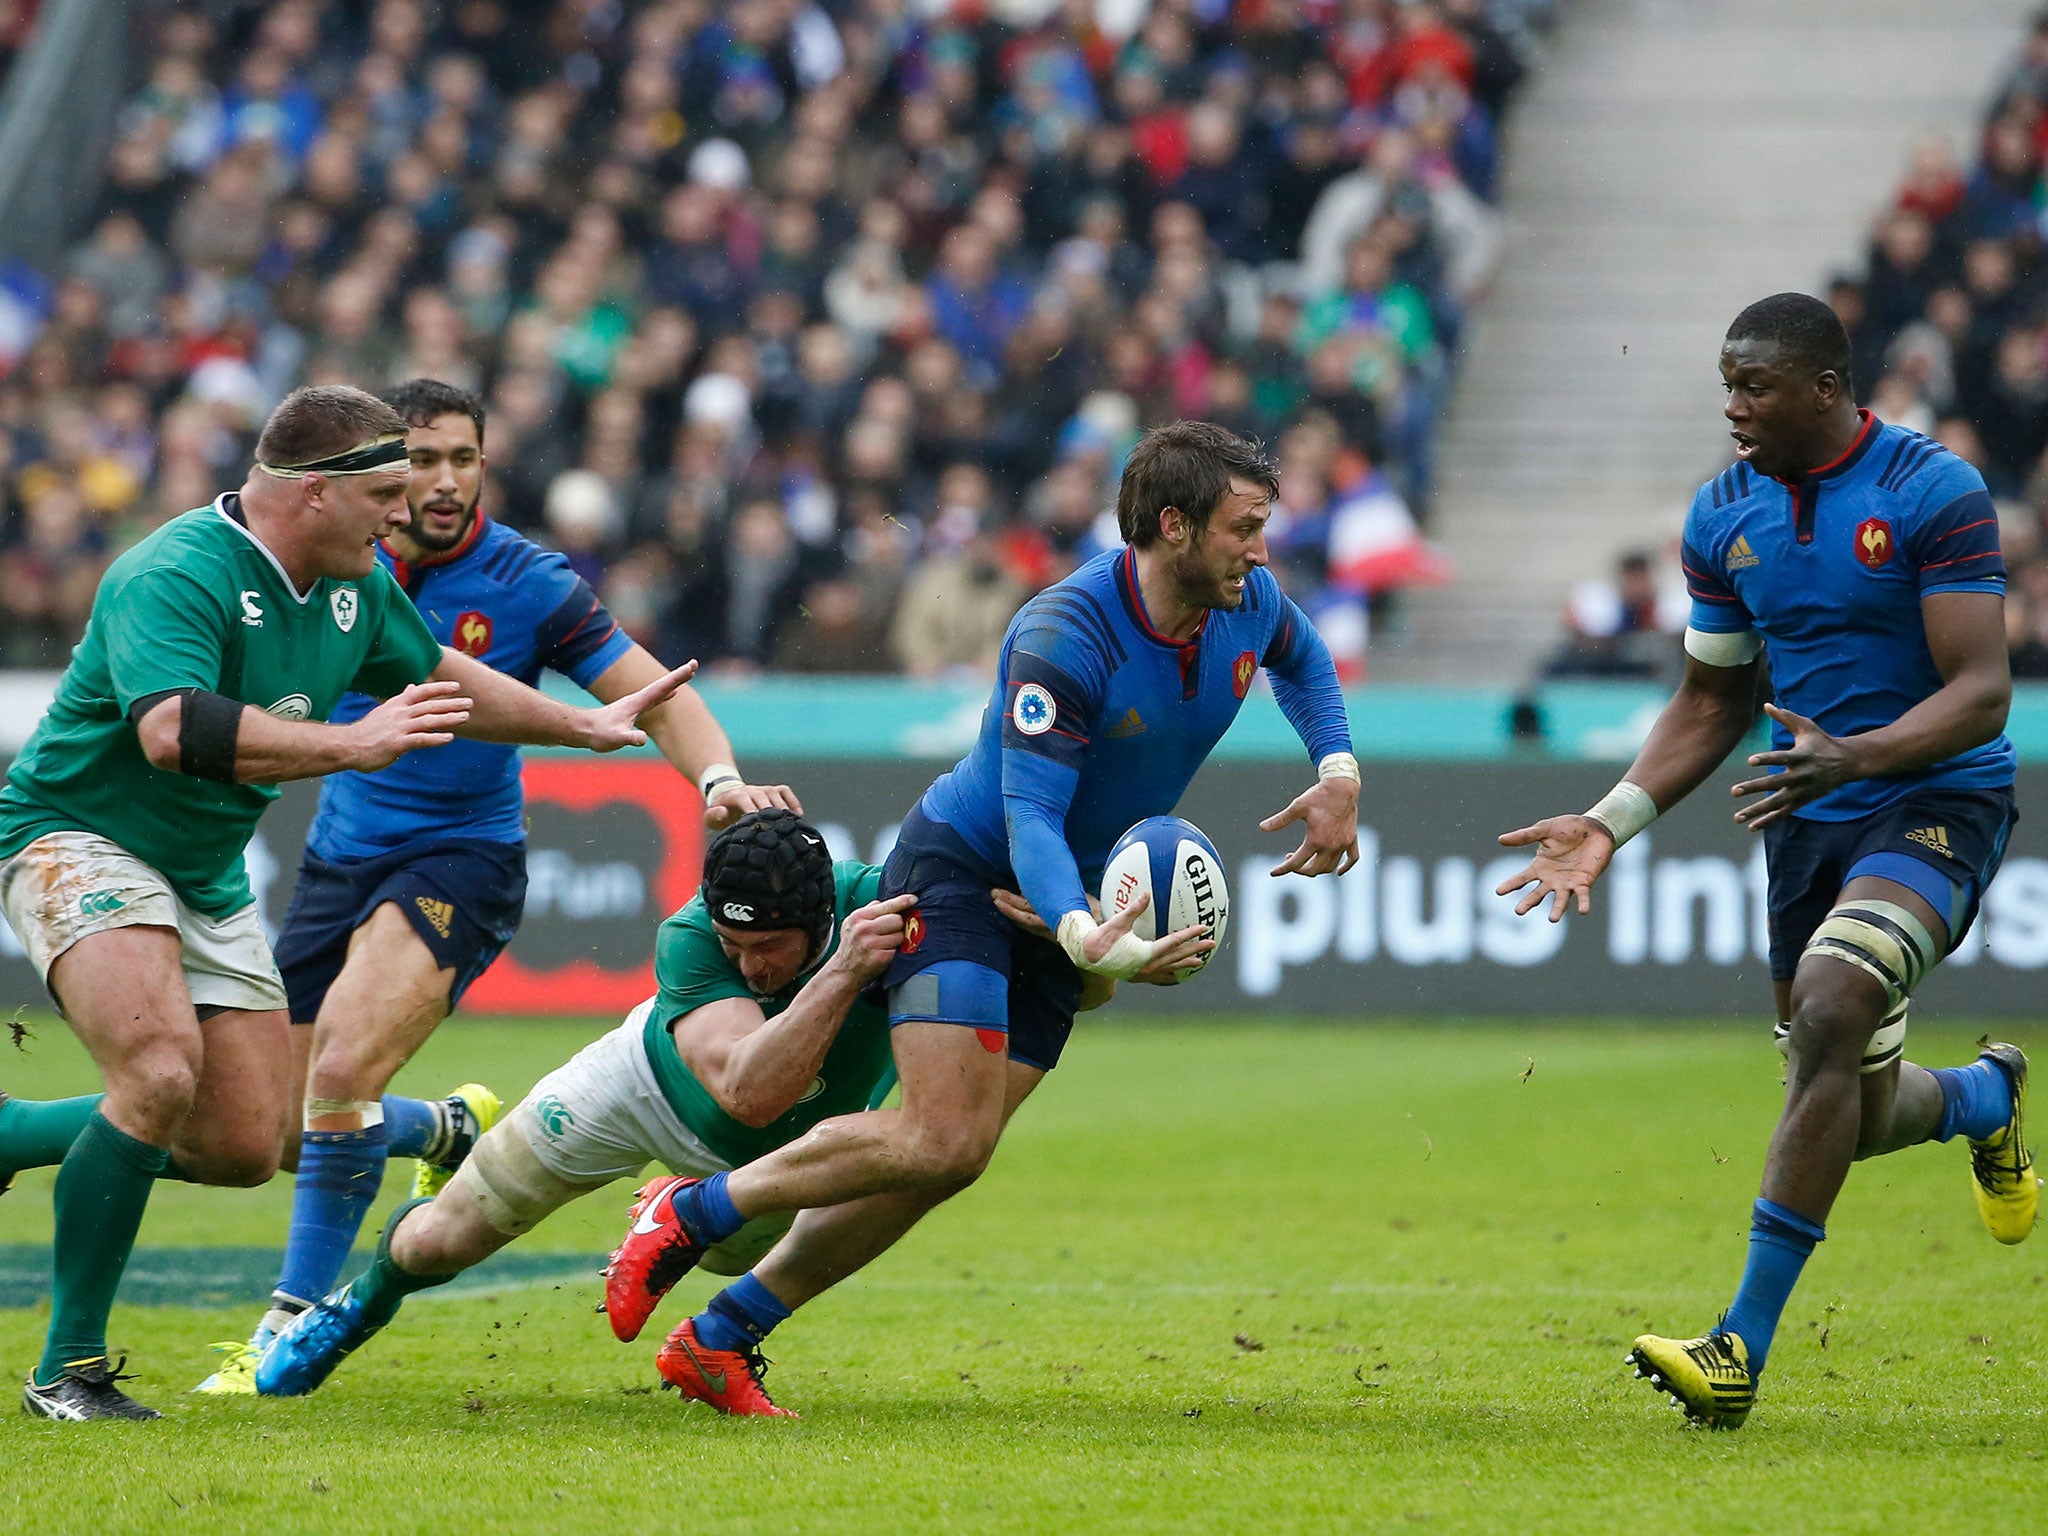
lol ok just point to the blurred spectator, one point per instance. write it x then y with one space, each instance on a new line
808 333
1627 626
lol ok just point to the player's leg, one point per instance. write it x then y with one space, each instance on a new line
542 1155
715 1356
386 1000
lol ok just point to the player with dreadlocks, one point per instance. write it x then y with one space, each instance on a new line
758 1031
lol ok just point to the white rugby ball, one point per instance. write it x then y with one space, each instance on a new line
1168 859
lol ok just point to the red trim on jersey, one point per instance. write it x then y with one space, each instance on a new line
1127 573
444 557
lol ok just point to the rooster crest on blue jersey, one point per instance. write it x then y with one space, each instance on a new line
1832 583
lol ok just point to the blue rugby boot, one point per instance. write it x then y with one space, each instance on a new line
305 1354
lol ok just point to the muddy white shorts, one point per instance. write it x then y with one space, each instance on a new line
66 886
599 1118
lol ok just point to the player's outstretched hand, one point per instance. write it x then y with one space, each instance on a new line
425 715
1814 764
1571 853
730 801
1328 814
612 726
871 935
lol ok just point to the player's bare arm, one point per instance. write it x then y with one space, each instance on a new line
1966 637
266 750
689 736
757 1067
1705 721
505 709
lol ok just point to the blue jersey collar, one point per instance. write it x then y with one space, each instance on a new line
1805 491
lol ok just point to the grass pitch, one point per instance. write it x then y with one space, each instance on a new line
1222 1277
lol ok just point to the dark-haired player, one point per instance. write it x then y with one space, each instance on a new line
217 651
1862 560
757 1033
1111 689
414 876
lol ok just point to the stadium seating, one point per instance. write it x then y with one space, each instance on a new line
814 334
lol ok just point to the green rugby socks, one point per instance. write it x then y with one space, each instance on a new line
382 1287
102 1190
36 1133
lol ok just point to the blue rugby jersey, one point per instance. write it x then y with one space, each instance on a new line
516 608
1830 572
1098 721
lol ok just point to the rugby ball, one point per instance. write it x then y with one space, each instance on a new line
1168 859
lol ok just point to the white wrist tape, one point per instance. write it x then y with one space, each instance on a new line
716 774
1127 956
1624 811
1338 765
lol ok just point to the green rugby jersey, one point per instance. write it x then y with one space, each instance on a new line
691 970
200 603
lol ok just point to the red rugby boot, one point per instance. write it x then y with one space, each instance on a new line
726 1379
658 1251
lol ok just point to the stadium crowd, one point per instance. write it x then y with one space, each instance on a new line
813 331
1948 319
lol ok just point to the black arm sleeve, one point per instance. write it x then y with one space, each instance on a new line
209 728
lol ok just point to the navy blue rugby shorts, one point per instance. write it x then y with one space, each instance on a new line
963 962
463 899
1942 844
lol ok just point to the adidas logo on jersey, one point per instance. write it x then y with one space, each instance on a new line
1932 837
1131 725
439 913
1740 555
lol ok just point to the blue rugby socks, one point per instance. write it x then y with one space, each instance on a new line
340 1173
739 1317
1780 1242
413 1127
1976 1101
706 1211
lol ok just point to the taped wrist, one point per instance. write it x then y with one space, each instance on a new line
1338 765
1624 811
1127 956
209 730
716 777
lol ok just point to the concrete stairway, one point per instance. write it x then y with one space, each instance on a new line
1673 160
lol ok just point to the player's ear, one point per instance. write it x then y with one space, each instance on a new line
1173 524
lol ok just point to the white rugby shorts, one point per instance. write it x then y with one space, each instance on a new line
598 1118
66 886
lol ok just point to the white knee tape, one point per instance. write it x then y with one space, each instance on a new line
1886 1046
372 1110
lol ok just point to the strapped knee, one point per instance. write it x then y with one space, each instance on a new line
1886 1046
1881 939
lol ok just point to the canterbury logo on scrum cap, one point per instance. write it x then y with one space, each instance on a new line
738 912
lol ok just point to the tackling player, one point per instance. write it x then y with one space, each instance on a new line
216 652
1862 561
414 876
1112 688
759 1031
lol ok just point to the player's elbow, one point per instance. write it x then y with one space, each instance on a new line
753 1105
158 733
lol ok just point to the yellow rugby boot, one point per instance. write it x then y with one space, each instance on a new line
1707 1378
235 1376
472 1110
2001 1166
